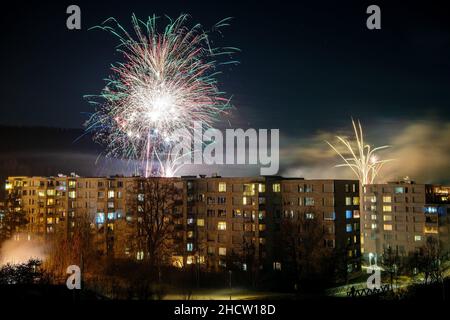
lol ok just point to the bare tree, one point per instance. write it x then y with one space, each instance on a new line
154 203
305 251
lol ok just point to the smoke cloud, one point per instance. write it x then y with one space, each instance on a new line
421 150
19 250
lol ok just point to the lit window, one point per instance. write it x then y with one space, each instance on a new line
387 217
222 187
262 227
111 194
387 208
387 227
355 213
349 227
189 246
111 216
140 255
222 251
277 266
309 215
100 218
348 201
387 199
373 217
201 222
348 214
245 201
356 201
399 190
417 238
222 225
309 201
374 226
276 187
72 194
261 187
190 234
51 192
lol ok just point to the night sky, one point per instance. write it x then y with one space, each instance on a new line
304 67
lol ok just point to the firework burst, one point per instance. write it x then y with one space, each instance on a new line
363 162
165 83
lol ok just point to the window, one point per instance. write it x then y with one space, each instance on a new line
201 222
309 201
349 227
348 201
140 255
387 227
100 218
277 266
387 208
222 187
222 225
237 213
222 251
356 201
373 217
348 214
387 199
374 226
417 238
276 187
72 194
399 190
329 216
111 194
309 215
355 214
261 187
387 217
189 246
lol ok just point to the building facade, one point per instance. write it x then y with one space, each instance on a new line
215 220
401 215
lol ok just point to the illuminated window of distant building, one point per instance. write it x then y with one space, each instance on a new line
190 221
140 197
111 194
355 213
51 192
222 251
387 217
244 267
348 201
261 187
309 215
374 226
49 220
110 215
72 183
387 208
41 193
262 227
72 194
190 234
189 246
276 265
349 227
399 190
100 219
50 201
222 187
387 227
309 201
140 255
245 201
387 199
348 214
222 225
356 201
276 187
417 238
201 222
237 213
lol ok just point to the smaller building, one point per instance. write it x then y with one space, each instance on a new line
401 215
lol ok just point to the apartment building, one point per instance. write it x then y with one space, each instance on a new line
216 219
401 215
